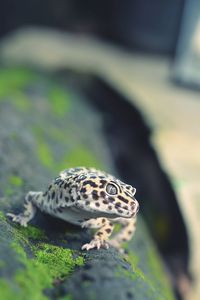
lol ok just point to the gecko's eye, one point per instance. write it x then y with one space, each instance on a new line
111 189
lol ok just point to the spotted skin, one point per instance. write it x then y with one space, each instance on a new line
89 198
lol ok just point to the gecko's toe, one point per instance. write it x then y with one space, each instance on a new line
10 215
106 245
86 247
84 224
13 217
18 219
97 243
23 223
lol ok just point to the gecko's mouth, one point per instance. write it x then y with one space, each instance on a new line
124 213
108 210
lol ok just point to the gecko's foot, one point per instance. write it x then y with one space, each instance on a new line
21 219
96 243
86 224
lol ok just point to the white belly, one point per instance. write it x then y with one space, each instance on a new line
73 215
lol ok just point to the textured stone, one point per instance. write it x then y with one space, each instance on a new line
45 128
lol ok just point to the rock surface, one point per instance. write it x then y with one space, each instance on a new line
44 128
171 112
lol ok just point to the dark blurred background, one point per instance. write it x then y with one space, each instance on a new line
151 26
158 28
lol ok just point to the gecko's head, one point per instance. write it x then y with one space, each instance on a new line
104 195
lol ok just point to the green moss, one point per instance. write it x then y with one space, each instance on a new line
133 260
81 156
6 290
45 154
15 180
60 101
12 83
143 283
56 134
33 279
158 274
2 264
8 191
2 216
136 271
59 261
152 272
21 101
49 263
157 281
156 284
45 264
12 80
31 232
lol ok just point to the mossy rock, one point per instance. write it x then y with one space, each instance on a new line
45 128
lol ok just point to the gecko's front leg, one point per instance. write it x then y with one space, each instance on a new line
125 234
101 236
29 209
